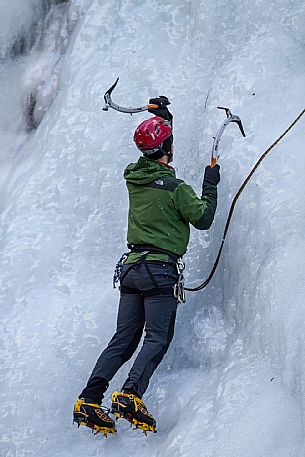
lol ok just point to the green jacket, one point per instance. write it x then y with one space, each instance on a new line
161 207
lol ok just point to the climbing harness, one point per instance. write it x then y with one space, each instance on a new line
110 104
144 250
230 118
262 157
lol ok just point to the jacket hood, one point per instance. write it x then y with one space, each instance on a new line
145 171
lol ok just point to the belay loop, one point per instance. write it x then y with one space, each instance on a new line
262 157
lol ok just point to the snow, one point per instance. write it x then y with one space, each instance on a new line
233 382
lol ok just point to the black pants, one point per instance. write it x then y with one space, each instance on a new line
138 308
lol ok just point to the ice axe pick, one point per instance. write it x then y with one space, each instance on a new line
230 118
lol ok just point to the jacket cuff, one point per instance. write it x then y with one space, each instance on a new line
209 190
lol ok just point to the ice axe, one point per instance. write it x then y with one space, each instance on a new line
230 118
110 104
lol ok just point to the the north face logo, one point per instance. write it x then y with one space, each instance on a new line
159 182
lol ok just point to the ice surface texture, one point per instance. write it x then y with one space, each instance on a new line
233 382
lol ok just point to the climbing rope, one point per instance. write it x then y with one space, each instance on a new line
206 282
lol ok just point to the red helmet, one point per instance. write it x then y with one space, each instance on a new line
150 134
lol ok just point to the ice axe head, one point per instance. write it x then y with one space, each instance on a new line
110 104
233 118
230 118
107 96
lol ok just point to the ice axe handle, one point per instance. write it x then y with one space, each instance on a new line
110 104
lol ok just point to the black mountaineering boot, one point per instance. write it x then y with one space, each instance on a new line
90 414
132 408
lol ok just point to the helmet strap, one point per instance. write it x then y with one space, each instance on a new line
165 149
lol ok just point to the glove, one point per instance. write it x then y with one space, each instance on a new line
162 111
211 176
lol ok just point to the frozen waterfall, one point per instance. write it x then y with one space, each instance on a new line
233 381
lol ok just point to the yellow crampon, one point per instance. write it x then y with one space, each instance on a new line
82 418
119 410
143 426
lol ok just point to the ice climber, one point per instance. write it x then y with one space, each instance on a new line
161 207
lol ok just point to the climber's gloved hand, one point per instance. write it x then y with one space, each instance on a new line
162 110
211 176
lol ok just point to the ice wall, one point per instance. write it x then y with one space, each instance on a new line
18 20
232 383
29 68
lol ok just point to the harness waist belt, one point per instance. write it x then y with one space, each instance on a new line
152 250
